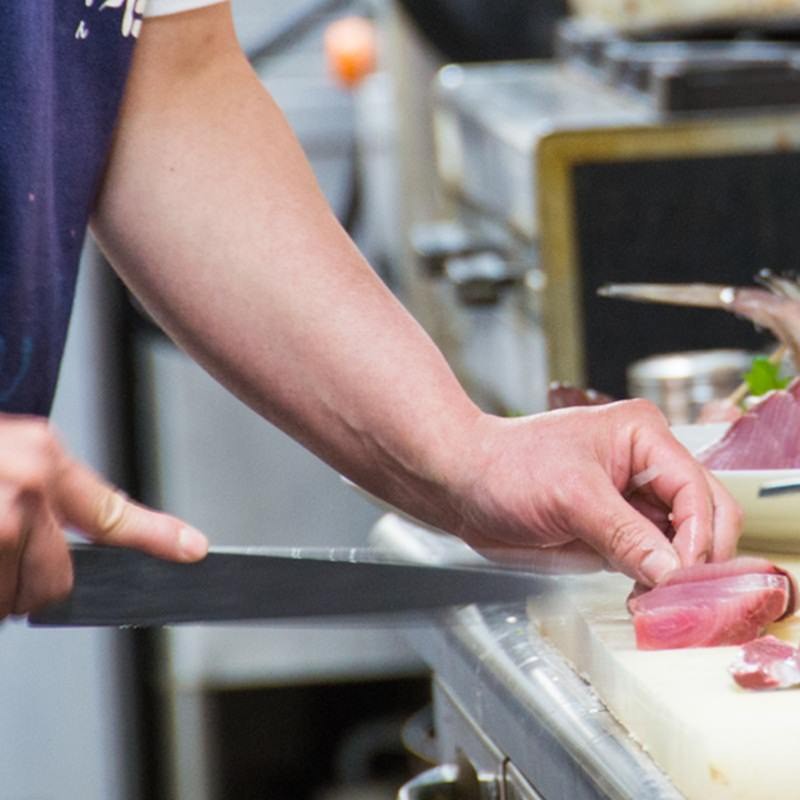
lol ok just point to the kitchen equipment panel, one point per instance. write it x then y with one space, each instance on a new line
682 13
626 159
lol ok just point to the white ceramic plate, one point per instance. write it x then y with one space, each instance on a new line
770 523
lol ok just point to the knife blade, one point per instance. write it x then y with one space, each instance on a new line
121 588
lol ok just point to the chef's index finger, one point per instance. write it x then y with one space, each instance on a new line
682 485
106 516
728 517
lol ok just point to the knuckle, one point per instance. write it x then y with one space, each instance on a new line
49 581
11 529
737 515
625 537
10 538
111 513
39 599
61 586
39 457
41 437
646 408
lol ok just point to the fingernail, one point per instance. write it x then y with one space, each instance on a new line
193 544
657 564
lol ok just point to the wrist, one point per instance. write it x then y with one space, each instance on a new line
428 472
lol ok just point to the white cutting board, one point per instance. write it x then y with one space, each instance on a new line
713 739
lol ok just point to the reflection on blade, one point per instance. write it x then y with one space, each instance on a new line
575 558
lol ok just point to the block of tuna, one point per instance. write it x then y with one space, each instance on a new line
710 605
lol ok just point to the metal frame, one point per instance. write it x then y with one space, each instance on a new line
557 155
534 709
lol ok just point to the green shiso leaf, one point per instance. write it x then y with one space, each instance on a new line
764 376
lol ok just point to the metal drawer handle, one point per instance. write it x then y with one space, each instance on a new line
439 783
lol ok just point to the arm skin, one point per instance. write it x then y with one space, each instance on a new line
211 215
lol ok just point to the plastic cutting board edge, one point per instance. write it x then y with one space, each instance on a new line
714 740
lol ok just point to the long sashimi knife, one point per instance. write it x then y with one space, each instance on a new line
117 587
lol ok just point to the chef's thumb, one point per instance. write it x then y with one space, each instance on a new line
628 540
657 564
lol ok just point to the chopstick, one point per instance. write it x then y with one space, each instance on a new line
698 295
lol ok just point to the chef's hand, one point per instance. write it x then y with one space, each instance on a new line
568 479
42 490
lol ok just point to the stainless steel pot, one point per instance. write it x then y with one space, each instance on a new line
680 384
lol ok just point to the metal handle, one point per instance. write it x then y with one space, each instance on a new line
439 783
419 737
435 242
480 279
450 782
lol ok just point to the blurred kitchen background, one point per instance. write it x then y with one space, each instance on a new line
499 163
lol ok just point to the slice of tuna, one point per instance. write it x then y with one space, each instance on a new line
743 443
743 565
560 395
767 663
709 605
766 437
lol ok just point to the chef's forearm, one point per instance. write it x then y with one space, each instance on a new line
210 213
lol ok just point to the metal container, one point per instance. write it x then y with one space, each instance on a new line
680 384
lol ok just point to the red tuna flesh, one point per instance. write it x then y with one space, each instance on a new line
767 663
709 605
560 395
766 437
743 565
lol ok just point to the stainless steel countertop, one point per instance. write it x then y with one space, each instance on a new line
524 695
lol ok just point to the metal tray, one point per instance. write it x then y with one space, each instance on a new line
628 15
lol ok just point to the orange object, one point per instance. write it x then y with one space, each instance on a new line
350 47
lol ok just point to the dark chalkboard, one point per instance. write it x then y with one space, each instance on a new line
711 219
